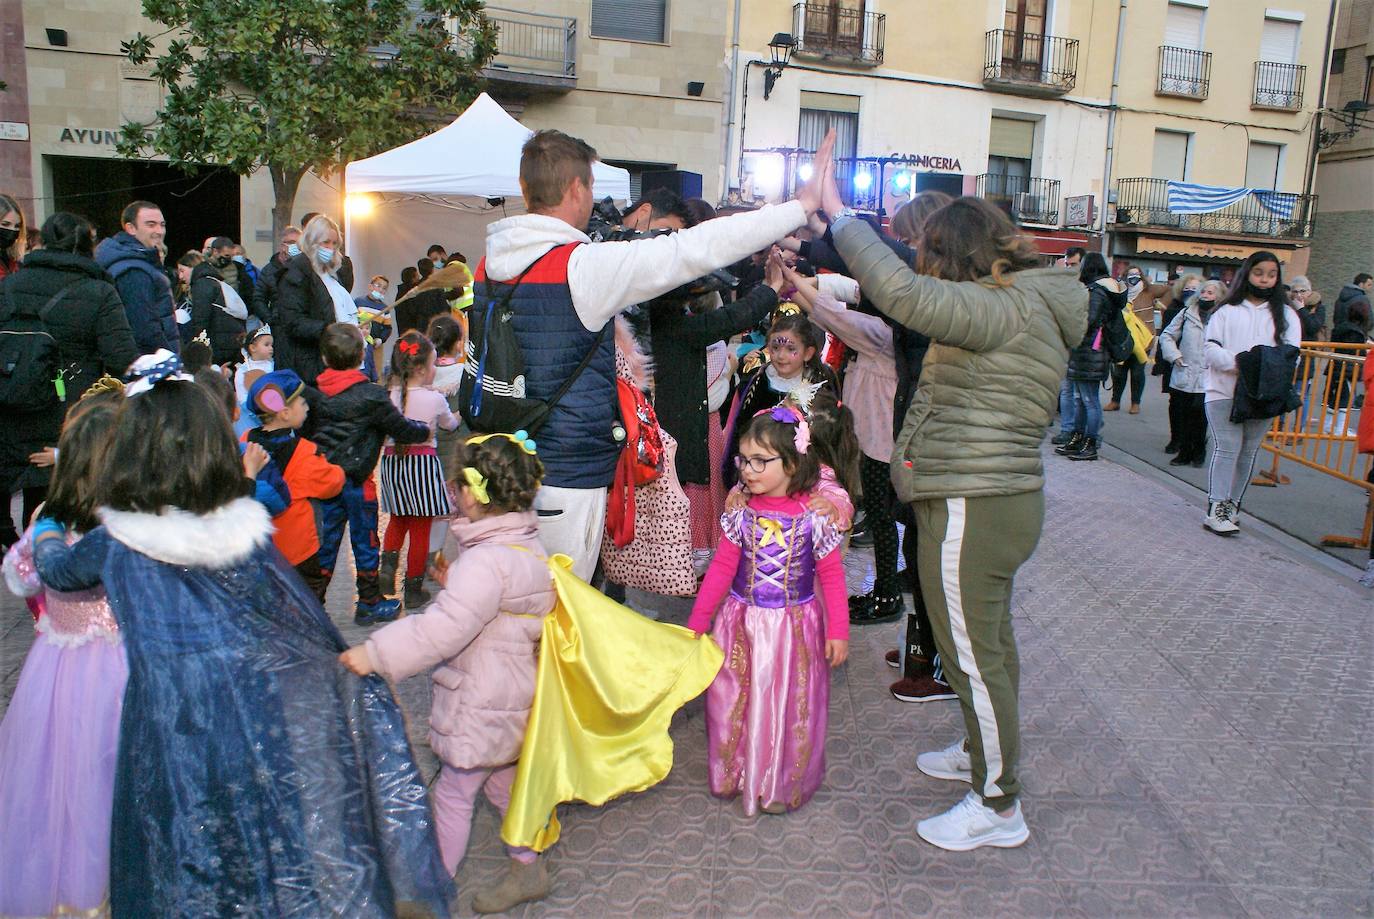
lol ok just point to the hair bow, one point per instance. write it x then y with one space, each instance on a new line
409 347
785 414
521 439
477 484
151 369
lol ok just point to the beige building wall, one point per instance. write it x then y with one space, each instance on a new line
631 101
1223 124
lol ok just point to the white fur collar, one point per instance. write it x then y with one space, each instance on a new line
223 537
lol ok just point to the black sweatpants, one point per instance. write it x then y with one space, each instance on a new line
877 504
1136 370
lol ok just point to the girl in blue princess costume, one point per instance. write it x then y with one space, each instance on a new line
255 776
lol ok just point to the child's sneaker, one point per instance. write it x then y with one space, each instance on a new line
374 613
951 763
971 824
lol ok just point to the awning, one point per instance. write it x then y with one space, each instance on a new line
1055 242
1206 248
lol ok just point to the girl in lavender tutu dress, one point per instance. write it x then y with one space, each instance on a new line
767 711
61 731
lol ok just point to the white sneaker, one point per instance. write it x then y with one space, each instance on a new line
1368 578
1233 514
971 825
951 763
1218 519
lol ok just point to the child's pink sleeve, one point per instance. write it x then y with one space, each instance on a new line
714 586
830 574
446 418
829 488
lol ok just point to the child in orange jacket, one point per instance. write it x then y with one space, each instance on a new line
277 398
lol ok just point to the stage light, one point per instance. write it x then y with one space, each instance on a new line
863 181
359 205
804 172
901 181
768 175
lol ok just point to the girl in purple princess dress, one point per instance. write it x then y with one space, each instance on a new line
767 711
61 731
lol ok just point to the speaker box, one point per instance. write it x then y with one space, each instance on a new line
951 183
686 184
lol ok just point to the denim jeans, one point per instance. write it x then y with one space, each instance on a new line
355 506
1087 408
1067 407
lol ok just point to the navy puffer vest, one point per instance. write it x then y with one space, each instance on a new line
576 443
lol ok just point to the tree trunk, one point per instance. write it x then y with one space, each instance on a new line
285 182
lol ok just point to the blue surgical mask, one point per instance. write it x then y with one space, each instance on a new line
324 255
438 263
375 295
292 250
239 259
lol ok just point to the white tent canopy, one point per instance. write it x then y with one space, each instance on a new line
438 190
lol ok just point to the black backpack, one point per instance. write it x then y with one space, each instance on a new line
491 395
1116 335
31 373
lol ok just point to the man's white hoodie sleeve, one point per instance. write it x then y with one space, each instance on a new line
607 277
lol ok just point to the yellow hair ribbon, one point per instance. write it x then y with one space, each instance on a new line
477 484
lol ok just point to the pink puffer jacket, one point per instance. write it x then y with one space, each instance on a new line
483 631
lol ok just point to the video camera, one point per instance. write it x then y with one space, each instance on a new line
607 224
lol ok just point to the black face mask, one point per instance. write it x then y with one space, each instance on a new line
222 261
1206 304
7 237
1258 293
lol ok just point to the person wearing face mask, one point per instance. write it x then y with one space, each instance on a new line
310 297
232 268
376 318
13 235
269 276
1179 294
1140 295
218 310
1307 303
1253 313
1182 346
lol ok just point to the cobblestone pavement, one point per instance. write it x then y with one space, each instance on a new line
1197 717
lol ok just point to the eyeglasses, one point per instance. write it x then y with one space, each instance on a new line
756 464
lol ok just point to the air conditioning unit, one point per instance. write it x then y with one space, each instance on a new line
1029 204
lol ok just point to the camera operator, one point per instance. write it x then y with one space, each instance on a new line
567 292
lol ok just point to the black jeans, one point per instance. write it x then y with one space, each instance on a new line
1192 423
877 504
1136 370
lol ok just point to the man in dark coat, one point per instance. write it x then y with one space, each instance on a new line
81 310
132 258
265 291
1357 290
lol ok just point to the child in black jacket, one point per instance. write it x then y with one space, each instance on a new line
350 423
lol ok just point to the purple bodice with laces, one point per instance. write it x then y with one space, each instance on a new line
780 559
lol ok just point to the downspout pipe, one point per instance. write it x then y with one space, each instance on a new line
733 72
1111 129
1309 179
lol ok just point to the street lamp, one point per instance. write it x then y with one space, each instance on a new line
780 50
1352 116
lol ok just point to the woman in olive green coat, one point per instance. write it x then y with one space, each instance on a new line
969 461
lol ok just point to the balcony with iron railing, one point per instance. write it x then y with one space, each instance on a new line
1184 73
1029 199
833 33
1028 63
1278 86
1144 202
535 52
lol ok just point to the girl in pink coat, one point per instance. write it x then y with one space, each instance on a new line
483 633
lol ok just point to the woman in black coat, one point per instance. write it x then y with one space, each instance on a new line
308 299
82 311
1089 363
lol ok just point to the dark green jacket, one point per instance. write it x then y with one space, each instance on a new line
990 381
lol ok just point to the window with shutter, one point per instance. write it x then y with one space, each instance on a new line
631 20
1183 27
1279 41
1171 155
1262 165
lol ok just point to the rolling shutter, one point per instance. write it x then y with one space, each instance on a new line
1279 41
635 20
1011 137
1171 155
1262 165
1183 27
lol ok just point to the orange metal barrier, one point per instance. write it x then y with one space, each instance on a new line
1321 434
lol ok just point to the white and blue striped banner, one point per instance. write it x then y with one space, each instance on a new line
1189 198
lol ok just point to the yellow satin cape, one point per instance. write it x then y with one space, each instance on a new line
609 681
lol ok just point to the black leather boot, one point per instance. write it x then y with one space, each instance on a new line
873 607
416 595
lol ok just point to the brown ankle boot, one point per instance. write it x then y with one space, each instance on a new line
524 883
1112 406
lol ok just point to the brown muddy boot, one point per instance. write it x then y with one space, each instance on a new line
523 884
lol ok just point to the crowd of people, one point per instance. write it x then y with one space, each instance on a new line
705 401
